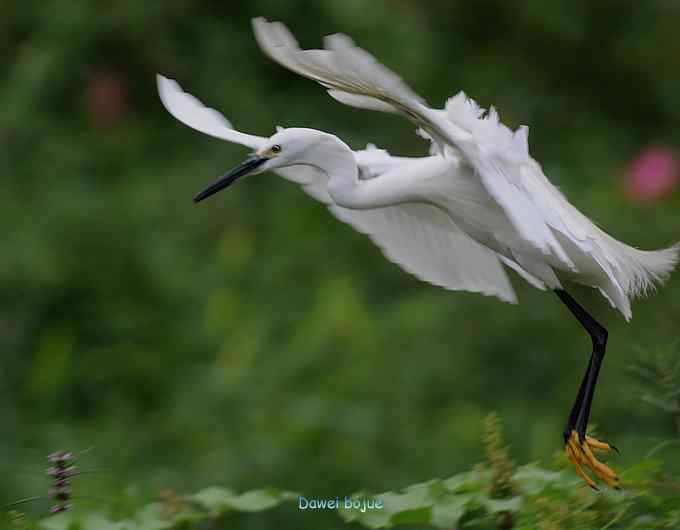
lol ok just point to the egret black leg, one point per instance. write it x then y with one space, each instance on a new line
579 446
580 412
578 403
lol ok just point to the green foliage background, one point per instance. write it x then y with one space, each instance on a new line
254 340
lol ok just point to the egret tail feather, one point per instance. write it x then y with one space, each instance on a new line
641 271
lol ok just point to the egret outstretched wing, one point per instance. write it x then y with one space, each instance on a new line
190 111
352 76
355 77
422 239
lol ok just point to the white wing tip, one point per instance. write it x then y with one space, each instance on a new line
521 140
338 41
167 88
163 84
259 23
193 113
270 35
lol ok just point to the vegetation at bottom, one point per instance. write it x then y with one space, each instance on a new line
494 494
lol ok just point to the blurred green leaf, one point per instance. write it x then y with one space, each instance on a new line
220 500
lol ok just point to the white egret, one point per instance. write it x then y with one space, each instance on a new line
454 218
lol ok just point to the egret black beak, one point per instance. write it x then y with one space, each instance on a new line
245 167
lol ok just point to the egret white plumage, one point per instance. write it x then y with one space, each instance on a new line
454 218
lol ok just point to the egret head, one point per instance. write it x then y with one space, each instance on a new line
285 148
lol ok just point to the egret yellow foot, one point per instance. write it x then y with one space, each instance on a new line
580 453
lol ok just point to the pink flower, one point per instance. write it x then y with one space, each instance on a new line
652 174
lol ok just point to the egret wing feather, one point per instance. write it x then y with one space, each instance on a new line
190 111
360 102
345 68
420 238
425 242
350 74
561 237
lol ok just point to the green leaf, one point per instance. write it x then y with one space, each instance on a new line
663 404
431 503
468 481
379 518
533 479
220 500
413 505
258 500
504 505
215 498
151 517
63 521
71 521
416 516
641 470
448 512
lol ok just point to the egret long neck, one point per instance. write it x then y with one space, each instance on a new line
332 156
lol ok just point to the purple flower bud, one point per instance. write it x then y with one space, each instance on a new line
60 456
60 495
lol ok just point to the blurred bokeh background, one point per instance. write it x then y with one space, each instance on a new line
254 340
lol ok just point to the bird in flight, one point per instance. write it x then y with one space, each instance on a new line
478 203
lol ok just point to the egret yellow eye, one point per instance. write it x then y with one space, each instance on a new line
276 149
